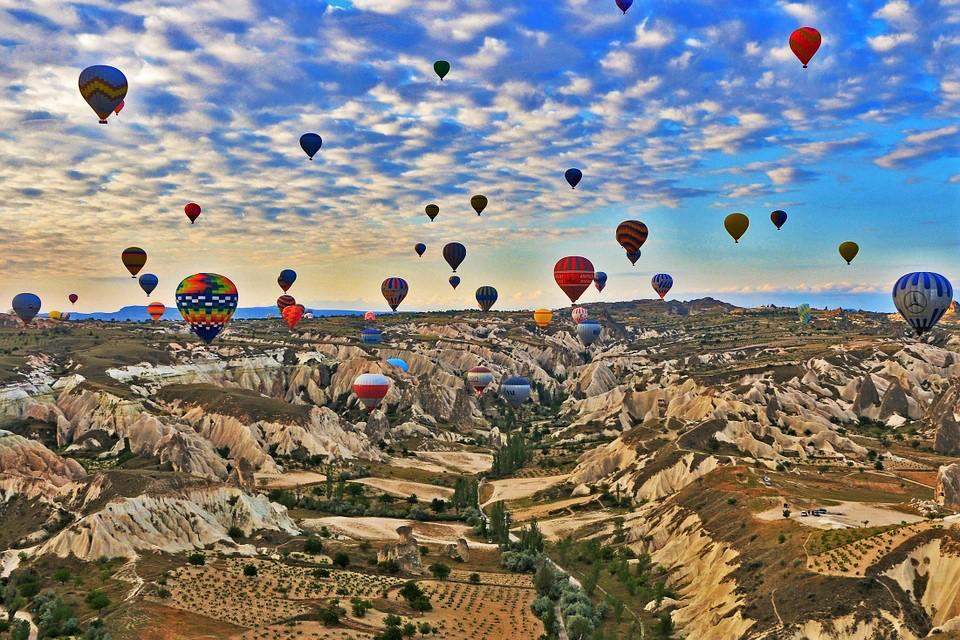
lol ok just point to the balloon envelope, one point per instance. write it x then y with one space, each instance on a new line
432 211
579 314
192 210
207 302
370 389
156 310
486 297
624 4
454 253
803 312
600 281
399 363
371 336
573 176
420 248
26 306
454 281
922 297
394 290
804 42
104 88
442 68
479 378
292 315
543 317
588 331
286 279
285 301
662 282
73 298
479 203
370 316
736 225
849 250
631 234
573 274
133 259
516 390
311 143
148 282
778 218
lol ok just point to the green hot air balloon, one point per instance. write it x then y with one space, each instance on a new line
442 67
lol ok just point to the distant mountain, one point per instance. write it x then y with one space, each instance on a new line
139 313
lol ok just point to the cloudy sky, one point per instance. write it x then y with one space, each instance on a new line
678 113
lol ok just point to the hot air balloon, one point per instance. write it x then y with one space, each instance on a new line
286 279
73 298
442 68
370 389
104 88
849 251
662 282
148 282
292 314
516 390
454 281
573 176
479 378
399 363
600 281
26 306
133 259
736 225
922 297
55 315
778 217
454 253
479 203
192 209
804 42
543 317
207 302
486 297
803 312
119 107
370 316
574 274
588 331
371 336
432 211
631 234
420 248
311 143
624 5
285 301
156 310
579 314
394 290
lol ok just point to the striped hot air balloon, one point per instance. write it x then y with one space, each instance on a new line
661 283
631 234
579 314
371 336
574 274
516 390
207 302
370 389
133 259
600 281
543 317
454 253
486 297
588 331
479 378
285 301
156 310
104 88
922 297
394 290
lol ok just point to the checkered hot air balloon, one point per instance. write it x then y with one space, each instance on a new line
574 274
207 302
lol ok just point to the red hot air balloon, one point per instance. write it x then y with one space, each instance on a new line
73 298
579 314
370 316
805 42
394 290
370 389
479 378
285 301
574 274
156 310
193 211
292 315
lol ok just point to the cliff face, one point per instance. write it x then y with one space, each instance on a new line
30 460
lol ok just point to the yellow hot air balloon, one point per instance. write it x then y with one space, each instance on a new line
55 315
849 251
543 317
736 225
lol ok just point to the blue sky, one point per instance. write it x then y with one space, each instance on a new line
678 113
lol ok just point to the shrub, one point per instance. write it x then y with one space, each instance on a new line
341 559
475 578
97 600
235 532
439 570
312 545
197 559
249 570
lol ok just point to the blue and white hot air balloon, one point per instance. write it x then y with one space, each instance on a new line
662 283
371 336
922 297
399 363
588 331
516 390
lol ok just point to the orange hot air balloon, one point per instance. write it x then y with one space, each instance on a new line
156 310
292 315
543 317
736 225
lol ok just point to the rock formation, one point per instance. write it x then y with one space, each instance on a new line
405 552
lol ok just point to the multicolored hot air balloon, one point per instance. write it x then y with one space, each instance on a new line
804 42
420 248
370 316
73 298
662 283
26 306
441 68
286 279
849 250
371 336
148 282
399 363
285 301
292 315
207 302
624 5
588 331
370 389
631 234
922 297
119 107
454 281
573 176
454 253
600 281
804 313
156 310
104 88
579 314
432 211
479 203
394 290
574 274
192 210
133 259
543 317
736 225
311 143
778 218
486 297
516 390
479 378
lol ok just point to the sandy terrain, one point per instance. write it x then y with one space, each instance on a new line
458 461
288 480
519 488
369 528
846 515
543 510
404 488
561 527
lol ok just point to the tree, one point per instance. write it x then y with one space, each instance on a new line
97 600
439 570
544 578
341 559
665 625
197 559
360 607
409 630
61 575
313 545
474 578
235 532
531 539
249 570
19 630
579 627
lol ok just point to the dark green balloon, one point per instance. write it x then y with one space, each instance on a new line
442 67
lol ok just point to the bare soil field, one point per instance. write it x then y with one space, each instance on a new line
288 480
405 488
458 461
372 528
846 515
519 488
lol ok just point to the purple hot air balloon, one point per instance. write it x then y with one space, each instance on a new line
624 4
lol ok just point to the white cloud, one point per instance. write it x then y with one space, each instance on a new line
578 86
618 61
920 145
489 55
888 42
897 12
390 7
782 175
802 11
656 37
